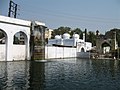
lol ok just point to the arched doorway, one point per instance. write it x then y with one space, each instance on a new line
82 50
106 47
3 45
20 43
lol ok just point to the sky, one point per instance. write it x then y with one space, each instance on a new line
102 15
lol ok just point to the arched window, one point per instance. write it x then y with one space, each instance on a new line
3 37
3 45
20 38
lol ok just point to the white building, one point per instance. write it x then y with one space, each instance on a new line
65 40
10 48
66 47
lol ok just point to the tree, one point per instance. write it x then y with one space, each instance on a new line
91 37
77 31
64 30
61 31
110 34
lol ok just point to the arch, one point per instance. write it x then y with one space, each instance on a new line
3 37
105 44
82 49
3 45
106 47
20 40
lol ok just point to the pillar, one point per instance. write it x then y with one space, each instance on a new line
28 48
9 47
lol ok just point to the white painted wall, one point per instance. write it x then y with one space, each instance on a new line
52 52
11 26
11 30
88 46
19 52
2 52
59 52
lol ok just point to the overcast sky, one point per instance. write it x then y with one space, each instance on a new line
101 15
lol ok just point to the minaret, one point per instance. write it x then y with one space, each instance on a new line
85 34
84 37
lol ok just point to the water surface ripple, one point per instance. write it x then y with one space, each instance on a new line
60 74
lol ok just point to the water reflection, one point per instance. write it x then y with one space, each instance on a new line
14 75
60 74
67 74
37 70
106 68
3 75
82 75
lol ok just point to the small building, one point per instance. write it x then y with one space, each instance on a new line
18 38
105 45
48 33
11 49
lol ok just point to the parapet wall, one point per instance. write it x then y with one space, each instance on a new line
59 52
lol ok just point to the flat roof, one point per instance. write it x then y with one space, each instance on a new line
14 21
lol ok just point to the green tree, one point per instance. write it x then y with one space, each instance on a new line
77 31
91 37
61 31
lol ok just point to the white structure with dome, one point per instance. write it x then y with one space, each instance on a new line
73 42
66 36
65 47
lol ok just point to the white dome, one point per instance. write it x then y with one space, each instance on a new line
57 37
76 36
66 36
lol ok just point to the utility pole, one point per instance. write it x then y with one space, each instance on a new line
12 9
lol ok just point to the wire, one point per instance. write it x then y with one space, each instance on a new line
69 14
68 17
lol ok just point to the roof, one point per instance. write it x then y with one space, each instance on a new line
9 20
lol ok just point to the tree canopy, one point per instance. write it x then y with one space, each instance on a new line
110 34
90 35
62 30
